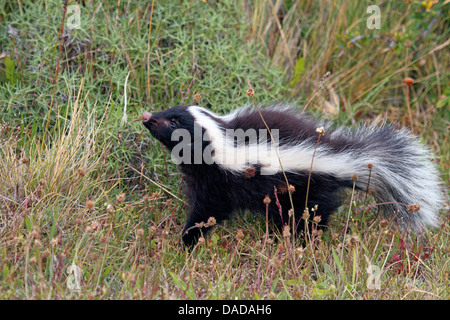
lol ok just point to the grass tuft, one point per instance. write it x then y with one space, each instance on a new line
93 209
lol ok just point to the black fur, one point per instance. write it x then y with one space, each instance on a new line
402 172
215 192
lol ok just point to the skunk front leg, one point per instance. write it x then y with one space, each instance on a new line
202 216
194 228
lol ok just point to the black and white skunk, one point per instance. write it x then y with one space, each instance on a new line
232 163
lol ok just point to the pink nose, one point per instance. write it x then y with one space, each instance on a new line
146 116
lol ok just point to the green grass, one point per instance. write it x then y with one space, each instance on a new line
80 189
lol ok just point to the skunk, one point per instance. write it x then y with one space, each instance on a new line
233 162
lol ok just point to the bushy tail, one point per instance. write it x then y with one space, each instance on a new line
399 170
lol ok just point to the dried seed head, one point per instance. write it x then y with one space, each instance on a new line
25 160
89 204
197 97
291 188
320 130
239 235
353 240
28 202
305 214
156 194
200 224
140 232
281 248
135 296
249 172
250 92
151 231
35 234
266 200
95 225
121 197
109 208
290 212
317 219
103 238
299 251
45 255
54 242
384 223
370 166
354 177
413 208
282 188
211 221
201 241
422 62
408 81
42 182
130 277
286 231
81 172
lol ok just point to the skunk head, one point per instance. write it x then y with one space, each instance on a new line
163 124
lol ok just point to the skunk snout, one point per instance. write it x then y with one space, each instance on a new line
146 116
149 121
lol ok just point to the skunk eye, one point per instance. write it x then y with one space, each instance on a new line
172 125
